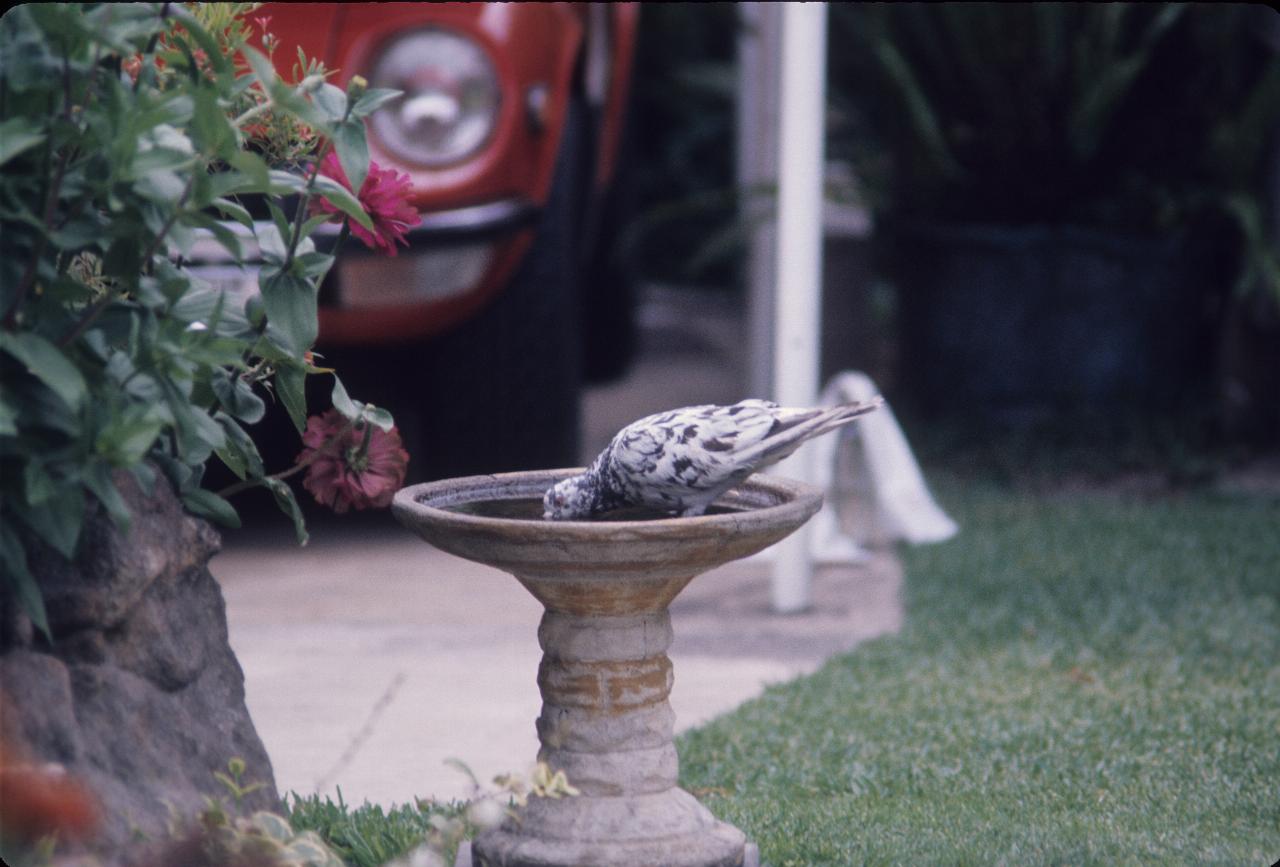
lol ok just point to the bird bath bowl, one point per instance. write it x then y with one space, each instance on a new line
605 676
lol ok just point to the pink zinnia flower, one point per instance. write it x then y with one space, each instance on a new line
359 466
383 195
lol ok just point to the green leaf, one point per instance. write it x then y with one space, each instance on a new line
314 265
283 183
342 402
146 477
198 433
254 175
233 459
170 281
372 100
208 305
163 186
97 478
47 363
57 520
378 417
1099 102
14 558
79 232
293 100
920 111
342 199
237 397
221 66
18 134
124 27
353 151
460 765
330 100
209 505
126 440
272 244
37 485
8 418
211 127
288 504
234 210
260 65
179 474
239 454
291 386
315 222
291 307
44 411
228 239
163 147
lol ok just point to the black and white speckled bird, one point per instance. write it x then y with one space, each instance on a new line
680 461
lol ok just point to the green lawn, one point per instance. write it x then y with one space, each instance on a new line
1082 678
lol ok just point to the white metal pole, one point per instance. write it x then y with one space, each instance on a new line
798 263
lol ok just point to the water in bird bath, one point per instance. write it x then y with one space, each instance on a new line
530 509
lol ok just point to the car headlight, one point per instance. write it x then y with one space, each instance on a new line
450 102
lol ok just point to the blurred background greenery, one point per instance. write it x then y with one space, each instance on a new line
683 117
1098 178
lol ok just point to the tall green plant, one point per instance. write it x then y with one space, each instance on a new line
1141 116
128 132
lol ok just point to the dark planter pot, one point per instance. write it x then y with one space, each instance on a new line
1023 324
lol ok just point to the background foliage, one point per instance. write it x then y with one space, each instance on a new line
1140 117
129 131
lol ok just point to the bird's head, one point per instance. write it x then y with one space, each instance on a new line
567 500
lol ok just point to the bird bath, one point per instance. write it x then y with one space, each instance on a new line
605 676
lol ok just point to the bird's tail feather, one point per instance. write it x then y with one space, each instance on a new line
841 415
774 448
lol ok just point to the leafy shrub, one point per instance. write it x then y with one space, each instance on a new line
131 132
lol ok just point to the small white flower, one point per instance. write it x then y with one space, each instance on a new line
486 813
168 137
423 856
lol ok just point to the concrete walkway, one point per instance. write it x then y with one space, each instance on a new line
370 658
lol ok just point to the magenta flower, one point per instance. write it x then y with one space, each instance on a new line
348 466
384 196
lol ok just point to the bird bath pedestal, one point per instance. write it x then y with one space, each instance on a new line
605 675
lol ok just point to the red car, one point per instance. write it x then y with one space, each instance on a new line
510 126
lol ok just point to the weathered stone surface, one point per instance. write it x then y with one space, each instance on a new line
140 697
103 585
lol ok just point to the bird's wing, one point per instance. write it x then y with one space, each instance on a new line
672 456
688 457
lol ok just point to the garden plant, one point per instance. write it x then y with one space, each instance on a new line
129 132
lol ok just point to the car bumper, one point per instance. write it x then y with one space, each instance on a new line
454 262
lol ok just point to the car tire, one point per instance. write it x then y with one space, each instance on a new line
501 392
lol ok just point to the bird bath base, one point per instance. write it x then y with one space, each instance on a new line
605 677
